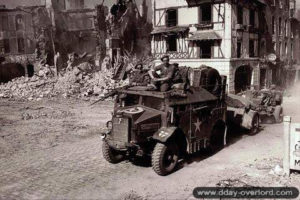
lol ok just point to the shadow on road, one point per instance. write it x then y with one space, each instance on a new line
234 134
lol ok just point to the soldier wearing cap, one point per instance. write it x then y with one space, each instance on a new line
163 74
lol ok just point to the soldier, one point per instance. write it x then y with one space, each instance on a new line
163 74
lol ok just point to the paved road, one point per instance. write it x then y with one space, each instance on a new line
70 165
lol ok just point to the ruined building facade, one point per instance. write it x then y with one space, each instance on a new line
17 36
233 36
74 27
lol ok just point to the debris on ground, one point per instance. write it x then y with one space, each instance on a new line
132 195
41 114
232 183
277 170
78 81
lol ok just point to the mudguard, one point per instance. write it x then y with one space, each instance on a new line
248 118
164 133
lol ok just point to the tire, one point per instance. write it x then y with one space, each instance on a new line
111 155
255 125
165 158
278 114
217 138
213 81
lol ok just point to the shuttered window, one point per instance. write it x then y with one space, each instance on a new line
4 26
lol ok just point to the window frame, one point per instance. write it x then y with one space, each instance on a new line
252 17
239 52
172 38
174 22
252 48
201 21
240 14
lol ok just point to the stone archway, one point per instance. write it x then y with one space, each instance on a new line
242 78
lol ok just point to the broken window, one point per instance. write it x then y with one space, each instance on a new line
6 46
19 22
4 23
252 18
279 26
239 49
273 25
205 17
206 49
21 45
240 14
251 48
172 43
171 17
279 50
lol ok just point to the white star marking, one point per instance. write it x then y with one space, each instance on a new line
198 124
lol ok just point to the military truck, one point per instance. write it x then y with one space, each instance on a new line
168 125
241 114
267 103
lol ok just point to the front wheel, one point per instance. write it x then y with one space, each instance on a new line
165 158
111 155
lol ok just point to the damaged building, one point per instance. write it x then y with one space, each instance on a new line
37 33
276 46
74 27
128 29
228 35
17 35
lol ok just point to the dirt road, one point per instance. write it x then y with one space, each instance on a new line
52 150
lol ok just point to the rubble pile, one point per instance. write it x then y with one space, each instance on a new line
78 82
83 84
28 88
79 79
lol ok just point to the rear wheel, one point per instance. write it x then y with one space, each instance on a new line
255 125
218 137
165 158
111 155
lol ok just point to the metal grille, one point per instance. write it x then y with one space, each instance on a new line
120 129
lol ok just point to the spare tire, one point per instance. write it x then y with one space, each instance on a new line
213 81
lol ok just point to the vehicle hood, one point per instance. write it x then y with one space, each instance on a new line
139 114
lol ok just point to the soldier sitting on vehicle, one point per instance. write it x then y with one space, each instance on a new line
162 75
139 76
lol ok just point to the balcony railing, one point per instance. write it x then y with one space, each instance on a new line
204 25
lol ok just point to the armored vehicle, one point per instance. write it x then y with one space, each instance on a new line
168 125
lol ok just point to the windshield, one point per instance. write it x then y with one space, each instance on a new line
153 102
130 100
